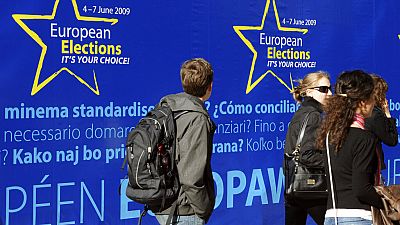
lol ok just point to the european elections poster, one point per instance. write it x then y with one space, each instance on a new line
77 75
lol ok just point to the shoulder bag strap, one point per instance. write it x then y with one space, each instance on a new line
301 135
331 177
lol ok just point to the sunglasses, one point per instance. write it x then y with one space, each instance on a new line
323 89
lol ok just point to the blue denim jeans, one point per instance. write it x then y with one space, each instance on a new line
181 220
347 221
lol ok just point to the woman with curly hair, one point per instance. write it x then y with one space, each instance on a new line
380 123
311 93
351 149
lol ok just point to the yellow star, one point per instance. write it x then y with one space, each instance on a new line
36 85
251 85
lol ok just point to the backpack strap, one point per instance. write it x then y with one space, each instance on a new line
180 113
177 114
172 213
174 207
165 192
144 212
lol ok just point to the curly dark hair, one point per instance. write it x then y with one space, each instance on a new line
351 88
380 89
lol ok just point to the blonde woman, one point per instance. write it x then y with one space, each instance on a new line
312 94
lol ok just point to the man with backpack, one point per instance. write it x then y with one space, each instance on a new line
194 138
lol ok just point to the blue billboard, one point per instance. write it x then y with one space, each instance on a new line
77 75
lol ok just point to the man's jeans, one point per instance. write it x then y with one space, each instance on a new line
348 221
181 220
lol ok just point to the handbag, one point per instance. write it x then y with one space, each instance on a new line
390 196
390 215
303 182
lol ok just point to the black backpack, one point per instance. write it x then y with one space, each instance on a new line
150 153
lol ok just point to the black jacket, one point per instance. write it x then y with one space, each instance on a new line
353 170
310 156
384 130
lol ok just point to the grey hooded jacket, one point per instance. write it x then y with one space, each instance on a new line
195 132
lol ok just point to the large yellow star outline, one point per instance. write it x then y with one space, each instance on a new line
251 85
36 85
